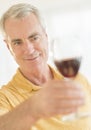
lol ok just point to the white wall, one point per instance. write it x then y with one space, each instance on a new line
75 24
7 63
63 18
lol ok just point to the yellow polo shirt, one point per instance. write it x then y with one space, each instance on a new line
19 89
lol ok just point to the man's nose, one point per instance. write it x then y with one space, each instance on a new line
28 46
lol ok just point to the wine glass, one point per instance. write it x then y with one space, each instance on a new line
67 57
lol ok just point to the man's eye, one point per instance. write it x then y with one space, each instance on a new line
35 38
16 42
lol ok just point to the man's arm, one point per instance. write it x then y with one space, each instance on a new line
20 118
54 98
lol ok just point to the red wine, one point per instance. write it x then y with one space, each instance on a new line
68 67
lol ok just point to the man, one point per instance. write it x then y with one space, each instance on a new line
37 97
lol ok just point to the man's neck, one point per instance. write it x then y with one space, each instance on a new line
39 77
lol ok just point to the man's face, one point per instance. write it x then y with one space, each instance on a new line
27 41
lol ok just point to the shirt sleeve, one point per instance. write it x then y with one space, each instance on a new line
84 81
4 104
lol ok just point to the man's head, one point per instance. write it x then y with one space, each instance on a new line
19 11
25 36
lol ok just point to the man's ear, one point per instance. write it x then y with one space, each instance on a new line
6 42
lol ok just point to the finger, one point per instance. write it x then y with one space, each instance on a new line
63 111
69 94
66 103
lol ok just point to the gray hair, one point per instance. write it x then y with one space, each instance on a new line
18 11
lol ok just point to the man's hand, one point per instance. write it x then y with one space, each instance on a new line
57 98
54 98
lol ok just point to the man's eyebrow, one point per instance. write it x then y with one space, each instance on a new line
15 40
31 36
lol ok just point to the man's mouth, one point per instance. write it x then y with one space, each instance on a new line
32 56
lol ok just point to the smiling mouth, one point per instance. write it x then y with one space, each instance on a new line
32 56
